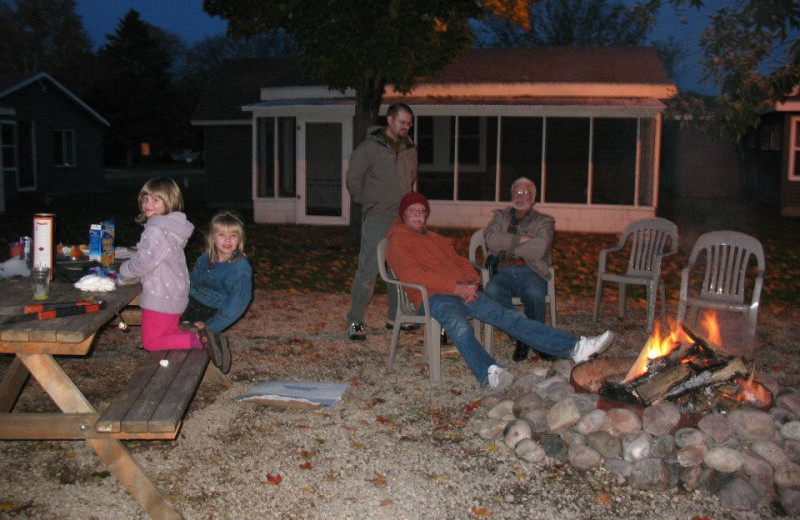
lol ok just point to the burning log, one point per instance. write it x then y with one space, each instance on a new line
659 385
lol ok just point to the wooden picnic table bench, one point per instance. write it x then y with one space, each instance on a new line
151 406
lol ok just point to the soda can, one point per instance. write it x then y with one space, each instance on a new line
43 228
26 242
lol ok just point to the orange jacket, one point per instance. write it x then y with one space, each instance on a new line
428 259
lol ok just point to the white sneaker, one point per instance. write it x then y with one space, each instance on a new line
499 378
588 347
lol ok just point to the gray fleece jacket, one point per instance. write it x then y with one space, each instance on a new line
377 177
159 263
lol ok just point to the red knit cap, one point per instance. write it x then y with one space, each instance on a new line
413 197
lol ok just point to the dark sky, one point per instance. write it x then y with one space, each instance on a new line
187 19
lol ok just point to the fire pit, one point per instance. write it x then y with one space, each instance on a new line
681 412
680 367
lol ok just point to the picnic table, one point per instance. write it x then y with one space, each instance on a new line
150 407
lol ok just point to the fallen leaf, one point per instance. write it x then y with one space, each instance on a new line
8 506
274 479
492 447
303 427
481 511
378 480
469 408
461 423
305 465
324 415
357 445
603 498
305 454
372 401
454 391
319 441
69 454
386 502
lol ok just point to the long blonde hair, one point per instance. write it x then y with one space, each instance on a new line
226 221
165 189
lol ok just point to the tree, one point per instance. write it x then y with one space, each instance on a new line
367 44
135 91
45 36
568 22
751 50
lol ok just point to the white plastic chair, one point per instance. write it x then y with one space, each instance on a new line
407 313
653 239
727 257
477 248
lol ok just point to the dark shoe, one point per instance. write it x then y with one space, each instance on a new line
211 346
226 353
520 352
404 327
443 338
356 332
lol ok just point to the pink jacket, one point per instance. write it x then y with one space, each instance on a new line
428 259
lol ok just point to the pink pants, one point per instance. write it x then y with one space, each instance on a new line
160 331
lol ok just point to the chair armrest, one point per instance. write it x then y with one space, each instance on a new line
604 257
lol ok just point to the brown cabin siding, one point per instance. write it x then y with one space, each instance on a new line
229 153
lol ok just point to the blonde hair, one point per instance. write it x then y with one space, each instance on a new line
225 221
165 189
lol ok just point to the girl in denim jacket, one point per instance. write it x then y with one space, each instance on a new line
221 282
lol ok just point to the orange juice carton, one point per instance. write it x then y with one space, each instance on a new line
101 242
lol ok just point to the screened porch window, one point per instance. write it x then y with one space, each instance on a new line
276 157
576 160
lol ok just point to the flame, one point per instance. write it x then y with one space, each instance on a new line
712 328
655 347
753 393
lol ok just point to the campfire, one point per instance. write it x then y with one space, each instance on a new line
684 368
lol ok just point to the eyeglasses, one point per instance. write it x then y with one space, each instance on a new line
521 193
417 211
405 123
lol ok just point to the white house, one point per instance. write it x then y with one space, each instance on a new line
583 122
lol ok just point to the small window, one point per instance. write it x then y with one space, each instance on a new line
794 149
64 148
771 137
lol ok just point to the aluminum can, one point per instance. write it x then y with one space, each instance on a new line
26 242
43 227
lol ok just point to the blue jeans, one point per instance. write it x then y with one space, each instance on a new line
521 282
453 314
373 230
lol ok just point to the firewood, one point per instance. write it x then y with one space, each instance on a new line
732 368
620 393
690 384
660 383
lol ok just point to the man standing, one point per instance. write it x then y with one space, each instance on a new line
522 240
417 255
382 169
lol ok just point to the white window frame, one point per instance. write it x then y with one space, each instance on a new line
793 147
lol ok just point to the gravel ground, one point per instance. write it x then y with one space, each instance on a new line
394 447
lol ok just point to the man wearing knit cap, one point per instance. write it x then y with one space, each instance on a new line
382 169
417 255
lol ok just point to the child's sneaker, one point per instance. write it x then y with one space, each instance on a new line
499 378
211 346
588 347
224 344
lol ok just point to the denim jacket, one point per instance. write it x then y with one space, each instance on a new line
227 287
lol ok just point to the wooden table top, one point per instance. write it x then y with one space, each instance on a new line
17 292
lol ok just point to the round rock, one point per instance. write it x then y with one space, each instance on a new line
750 424
584 458
529 450
661 418
722 459
526 403
716 426
636 446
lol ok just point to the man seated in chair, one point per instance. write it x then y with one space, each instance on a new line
522 239
417 255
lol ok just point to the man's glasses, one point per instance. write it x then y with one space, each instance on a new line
417 211
522 193
409 124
